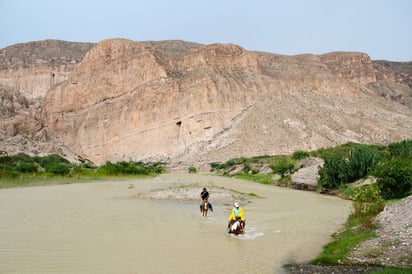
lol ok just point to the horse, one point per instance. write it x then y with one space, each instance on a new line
236 227
205 207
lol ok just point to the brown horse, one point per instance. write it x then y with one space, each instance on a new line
205 207
236 227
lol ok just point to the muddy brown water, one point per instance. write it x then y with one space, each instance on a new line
104 227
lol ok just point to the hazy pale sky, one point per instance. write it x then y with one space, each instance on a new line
380 28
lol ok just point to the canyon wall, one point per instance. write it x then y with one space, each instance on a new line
192 104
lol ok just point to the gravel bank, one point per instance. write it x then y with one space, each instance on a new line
392 247
335 269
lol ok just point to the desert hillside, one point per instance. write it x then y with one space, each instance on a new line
192 104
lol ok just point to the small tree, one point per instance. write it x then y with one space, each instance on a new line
367 202
192 169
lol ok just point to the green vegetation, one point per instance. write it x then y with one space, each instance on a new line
395 178
129 168
21 169
367 203
336 251
390 165
265 179
340 169
192 169
249 168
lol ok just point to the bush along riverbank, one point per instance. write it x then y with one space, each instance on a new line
23 170
377 237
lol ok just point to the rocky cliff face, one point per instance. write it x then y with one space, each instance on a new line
191 104
23 129
33 68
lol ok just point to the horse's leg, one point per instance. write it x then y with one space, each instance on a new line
204 209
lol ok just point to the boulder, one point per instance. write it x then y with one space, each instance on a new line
306 178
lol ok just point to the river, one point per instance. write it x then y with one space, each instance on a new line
104 227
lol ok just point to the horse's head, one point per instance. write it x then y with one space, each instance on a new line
235 226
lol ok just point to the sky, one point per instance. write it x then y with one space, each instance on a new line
380 28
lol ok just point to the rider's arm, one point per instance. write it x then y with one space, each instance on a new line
232 216
242 214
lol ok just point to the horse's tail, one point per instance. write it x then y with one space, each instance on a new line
210 206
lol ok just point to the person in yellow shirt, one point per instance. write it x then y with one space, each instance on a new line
237 213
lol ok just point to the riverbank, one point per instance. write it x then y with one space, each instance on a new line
391 249
328 269
393 246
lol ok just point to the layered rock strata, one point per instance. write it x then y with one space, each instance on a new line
192 104
134 101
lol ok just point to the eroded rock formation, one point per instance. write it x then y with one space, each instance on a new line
191 104
33 68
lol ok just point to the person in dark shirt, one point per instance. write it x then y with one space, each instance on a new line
205 195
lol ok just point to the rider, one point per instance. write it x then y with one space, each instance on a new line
237 213
205 195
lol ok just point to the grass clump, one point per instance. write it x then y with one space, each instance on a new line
343 242
367 203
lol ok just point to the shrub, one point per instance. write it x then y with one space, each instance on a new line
130 168
51 160
6 160
215 166
283 166
26 167
21 157
394 178
192 169
401 149
333 173
58 169
299 155
7 171
362 160
246 168
367 202
340 169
